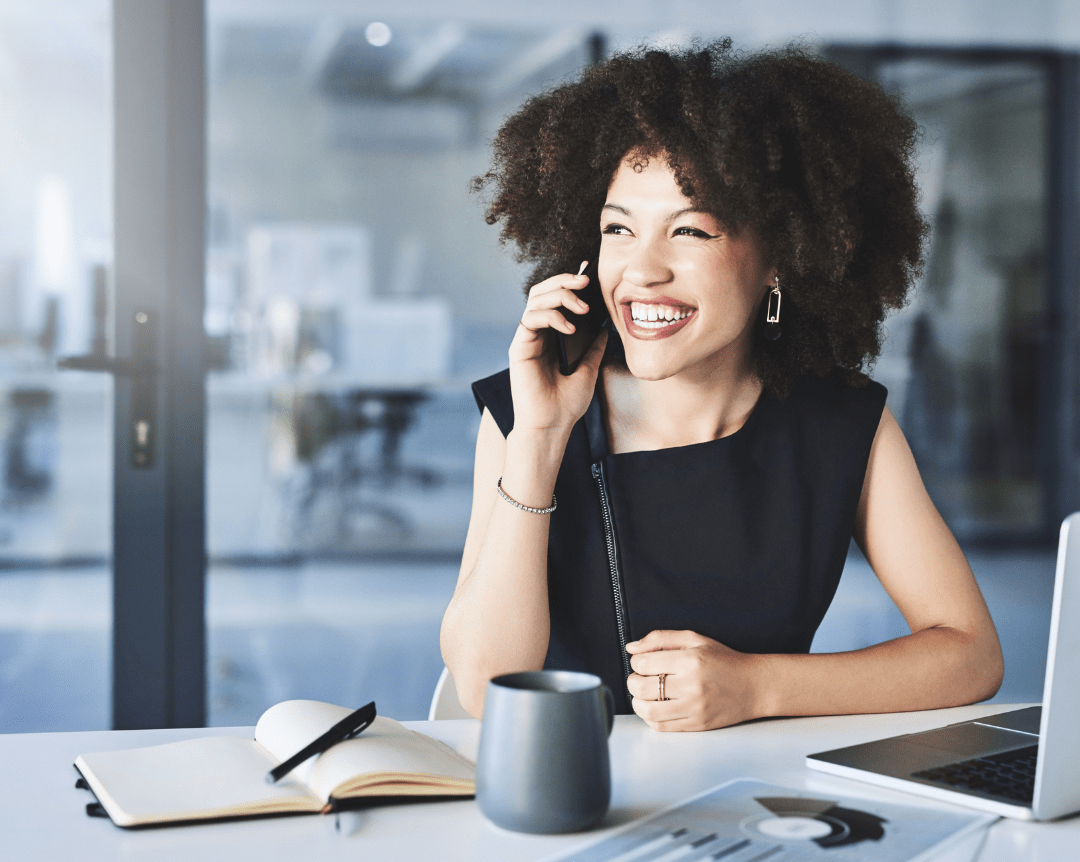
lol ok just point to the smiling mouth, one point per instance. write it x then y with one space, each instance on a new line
653 320
657 316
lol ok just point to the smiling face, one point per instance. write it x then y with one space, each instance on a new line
682 292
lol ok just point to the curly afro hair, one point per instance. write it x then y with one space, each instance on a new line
816 160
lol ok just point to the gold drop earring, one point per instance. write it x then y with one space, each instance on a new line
772 313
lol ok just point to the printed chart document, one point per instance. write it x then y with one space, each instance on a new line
217 777
746 820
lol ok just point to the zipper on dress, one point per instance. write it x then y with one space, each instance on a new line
613 563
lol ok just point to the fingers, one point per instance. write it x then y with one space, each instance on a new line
653 663
545 298
674 725
537 320
647 687
562 281
661 714
662 639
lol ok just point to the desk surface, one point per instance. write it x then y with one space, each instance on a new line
42 815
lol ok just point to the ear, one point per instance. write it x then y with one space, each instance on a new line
771 276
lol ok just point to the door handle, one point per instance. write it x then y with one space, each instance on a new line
141 367
107 365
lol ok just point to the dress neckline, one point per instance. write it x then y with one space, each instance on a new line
600 446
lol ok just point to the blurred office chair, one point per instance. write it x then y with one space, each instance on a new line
444 702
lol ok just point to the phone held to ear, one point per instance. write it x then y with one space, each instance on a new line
587 326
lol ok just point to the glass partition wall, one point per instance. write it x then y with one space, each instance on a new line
977 363
55 427
967 392
353 293
981 365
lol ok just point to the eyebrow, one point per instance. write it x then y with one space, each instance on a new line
670 218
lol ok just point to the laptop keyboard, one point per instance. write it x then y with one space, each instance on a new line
1009 776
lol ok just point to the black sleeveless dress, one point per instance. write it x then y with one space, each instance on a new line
741 539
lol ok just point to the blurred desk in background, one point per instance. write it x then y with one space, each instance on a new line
268 500
350 437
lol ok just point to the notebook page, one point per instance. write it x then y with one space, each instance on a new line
211 776
387 747
289 726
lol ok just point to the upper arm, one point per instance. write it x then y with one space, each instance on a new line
909 547
487 468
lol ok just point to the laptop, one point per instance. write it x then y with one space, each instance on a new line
1024 763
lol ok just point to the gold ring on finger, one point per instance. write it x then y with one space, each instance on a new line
660 679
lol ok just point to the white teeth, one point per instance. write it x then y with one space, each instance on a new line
655 316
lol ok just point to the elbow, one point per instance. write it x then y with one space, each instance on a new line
468 685
470 690
471 698
985 683
994 673
987 670
971 667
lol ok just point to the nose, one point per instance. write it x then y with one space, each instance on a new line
647 264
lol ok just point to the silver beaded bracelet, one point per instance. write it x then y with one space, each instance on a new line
514 502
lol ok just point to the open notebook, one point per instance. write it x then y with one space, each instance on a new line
225 776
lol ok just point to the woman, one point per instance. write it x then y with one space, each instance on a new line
675 515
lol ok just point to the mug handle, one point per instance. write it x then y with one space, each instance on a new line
609 707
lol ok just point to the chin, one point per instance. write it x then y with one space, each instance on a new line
650 368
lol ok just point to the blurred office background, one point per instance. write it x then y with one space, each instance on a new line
353 291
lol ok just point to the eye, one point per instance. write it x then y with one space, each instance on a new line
694 232
615 229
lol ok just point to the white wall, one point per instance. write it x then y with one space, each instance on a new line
1047 23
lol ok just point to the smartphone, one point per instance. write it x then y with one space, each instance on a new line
587 326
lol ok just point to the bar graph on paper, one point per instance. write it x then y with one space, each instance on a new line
750 821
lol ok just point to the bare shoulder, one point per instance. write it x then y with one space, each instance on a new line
894 500
907 543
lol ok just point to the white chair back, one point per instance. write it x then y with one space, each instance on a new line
444 702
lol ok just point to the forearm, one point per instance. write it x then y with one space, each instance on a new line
930 669
498 621
952 657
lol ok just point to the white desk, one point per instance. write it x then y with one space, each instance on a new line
42 815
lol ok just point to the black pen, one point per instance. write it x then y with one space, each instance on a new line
347 728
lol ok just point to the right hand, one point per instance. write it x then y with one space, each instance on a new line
544 398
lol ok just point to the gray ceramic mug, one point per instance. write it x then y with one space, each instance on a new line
543 764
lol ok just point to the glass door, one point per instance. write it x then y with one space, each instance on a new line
56 256
102 320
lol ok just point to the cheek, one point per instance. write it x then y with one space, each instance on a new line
608 277
607 266
737 285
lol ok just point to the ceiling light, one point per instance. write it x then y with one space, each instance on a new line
377 33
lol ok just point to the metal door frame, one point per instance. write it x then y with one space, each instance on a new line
159 554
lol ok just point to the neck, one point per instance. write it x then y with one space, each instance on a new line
678 411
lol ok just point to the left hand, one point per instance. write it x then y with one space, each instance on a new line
707 684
